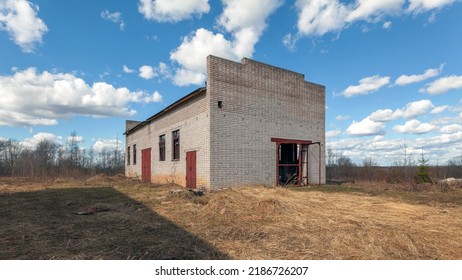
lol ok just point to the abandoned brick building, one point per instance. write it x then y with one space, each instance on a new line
252 123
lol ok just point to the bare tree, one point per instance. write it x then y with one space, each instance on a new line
345 167
400 171
11 152
339 167
331 168
3 165
369 166
46 153
73 148
49 159
406 161
454 167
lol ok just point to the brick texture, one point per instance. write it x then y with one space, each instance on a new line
259 102
192 119
233 143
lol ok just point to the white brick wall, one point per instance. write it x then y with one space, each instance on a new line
260 102
191 119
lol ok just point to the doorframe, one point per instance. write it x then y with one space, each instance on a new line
280 141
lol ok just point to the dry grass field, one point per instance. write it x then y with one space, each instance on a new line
130 220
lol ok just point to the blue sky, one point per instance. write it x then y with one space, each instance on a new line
392 68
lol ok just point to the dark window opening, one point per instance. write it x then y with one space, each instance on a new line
176 145
288 154
128 155
134 154
220 104
162 147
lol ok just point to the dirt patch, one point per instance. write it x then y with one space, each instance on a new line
43 225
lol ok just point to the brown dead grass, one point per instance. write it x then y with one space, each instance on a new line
252 222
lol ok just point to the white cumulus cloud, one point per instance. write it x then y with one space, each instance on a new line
373 10
412 110
244 20
452 128
438 148
127 70
365 127
439 109
382 115
387 25
414 127
33 141
115 17
19 18
443 85
290 41
366 86
184 77
147 72
318 17
342 118
192 53
333 133
155 97
410 79
31 98
419 6
164 70
102 145
172 10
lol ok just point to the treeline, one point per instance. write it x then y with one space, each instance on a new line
407 168
49 159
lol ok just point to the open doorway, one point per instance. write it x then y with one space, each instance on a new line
292 161
288 162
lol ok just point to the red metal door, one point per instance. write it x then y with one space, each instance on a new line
191 169
146 165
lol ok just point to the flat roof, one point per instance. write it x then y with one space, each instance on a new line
167 109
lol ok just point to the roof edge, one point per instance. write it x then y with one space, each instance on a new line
167 109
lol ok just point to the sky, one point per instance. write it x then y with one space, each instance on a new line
392 68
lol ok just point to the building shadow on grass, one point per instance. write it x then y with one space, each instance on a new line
43 225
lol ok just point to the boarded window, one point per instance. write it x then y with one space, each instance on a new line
134 154
176 145
162 147
128 155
